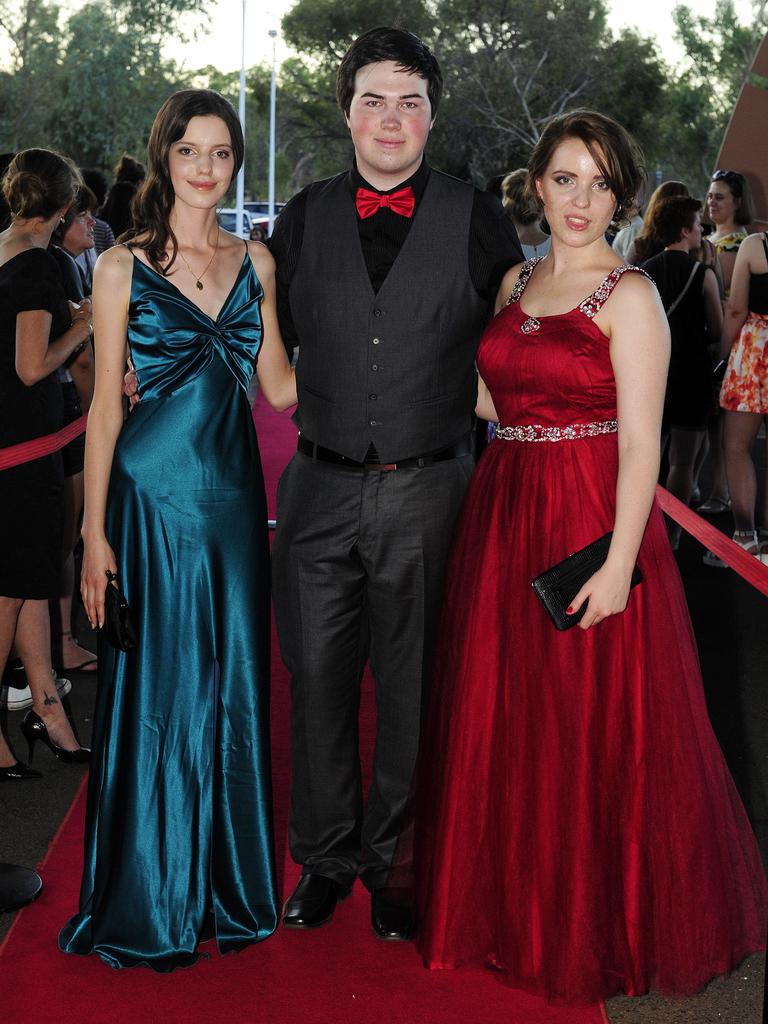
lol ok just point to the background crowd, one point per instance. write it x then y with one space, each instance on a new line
714 288
713 298
43 498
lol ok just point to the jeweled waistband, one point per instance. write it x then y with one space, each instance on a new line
574 432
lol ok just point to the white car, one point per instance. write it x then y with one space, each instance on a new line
258 207
228 220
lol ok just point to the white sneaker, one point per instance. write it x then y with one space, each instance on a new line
20 699
16 700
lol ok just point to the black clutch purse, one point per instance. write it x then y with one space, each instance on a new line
558 586
119 629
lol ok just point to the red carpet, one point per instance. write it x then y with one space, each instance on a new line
340 974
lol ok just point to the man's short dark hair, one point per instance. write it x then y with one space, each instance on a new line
382 44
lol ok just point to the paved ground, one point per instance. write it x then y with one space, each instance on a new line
730 621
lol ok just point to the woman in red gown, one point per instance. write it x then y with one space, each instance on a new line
576 825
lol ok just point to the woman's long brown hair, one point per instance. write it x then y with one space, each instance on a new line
154 200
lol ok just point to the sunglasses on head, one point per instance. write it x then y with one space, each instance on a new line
732 177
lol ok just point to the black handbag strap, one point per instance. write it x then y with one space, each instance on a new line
683 293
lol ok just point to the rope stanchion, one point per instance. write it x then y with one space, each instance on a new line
28 451
733 554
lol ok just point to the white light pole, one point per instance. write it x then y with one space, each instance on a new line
241 114
272 98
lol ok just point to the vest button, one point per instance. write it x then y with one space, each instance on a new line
377 341
372 423
373 397
377 312
375 366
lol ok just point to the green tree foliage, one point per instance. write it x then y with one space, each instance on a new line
719 50
256 126
90 82
89 85
32 32
113 82
323 29
701 94
509 65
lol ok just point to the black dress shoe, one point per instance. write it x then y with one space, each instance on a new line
313 901
389 920
19 771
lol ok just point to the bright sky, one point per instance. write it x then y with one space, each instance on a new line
222 45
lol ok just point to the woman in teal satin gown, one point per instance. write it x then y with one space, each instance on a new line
179 833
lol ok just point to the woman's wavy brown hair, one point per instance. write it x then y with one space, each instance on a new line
154 200
613 149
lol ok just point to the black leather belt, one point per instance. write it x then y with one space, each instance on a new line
320 454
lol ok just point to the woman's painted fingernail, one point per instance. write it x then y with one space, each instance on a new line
569 610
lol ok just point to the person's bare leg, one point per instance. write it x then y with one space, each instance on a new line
33 644
69 653
718 462
740 432
701 457
683 448
9 614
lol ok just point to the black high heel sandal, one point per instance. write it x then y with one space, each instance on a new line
34 729
18 772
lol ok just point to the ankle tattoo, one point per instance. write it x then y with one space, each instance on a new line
49 699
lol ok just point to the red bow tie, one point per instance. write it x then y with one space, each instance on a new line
401 202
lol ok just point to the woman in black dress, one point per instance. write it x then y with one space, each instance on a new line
71 239
691 299
39 331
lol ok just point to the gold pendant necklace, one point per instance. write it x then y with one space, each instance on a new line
199 280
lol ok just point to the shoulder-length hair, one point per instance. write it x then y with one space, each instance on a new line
613 149
155 198
740 190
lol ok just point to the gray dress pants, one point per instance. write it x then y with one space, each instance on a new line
357 572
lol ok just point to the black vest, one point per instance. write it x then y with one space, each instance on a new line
394 369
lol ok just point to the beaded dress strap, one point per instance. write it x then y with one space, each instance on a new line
522 279
592 305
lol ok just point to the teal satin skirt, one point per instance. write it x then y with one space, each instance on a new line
179 820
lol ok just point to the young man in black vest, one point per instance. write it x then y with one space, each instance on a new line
386 275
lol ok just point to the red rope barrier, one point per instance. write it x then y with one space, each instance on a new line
747 566
27 451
